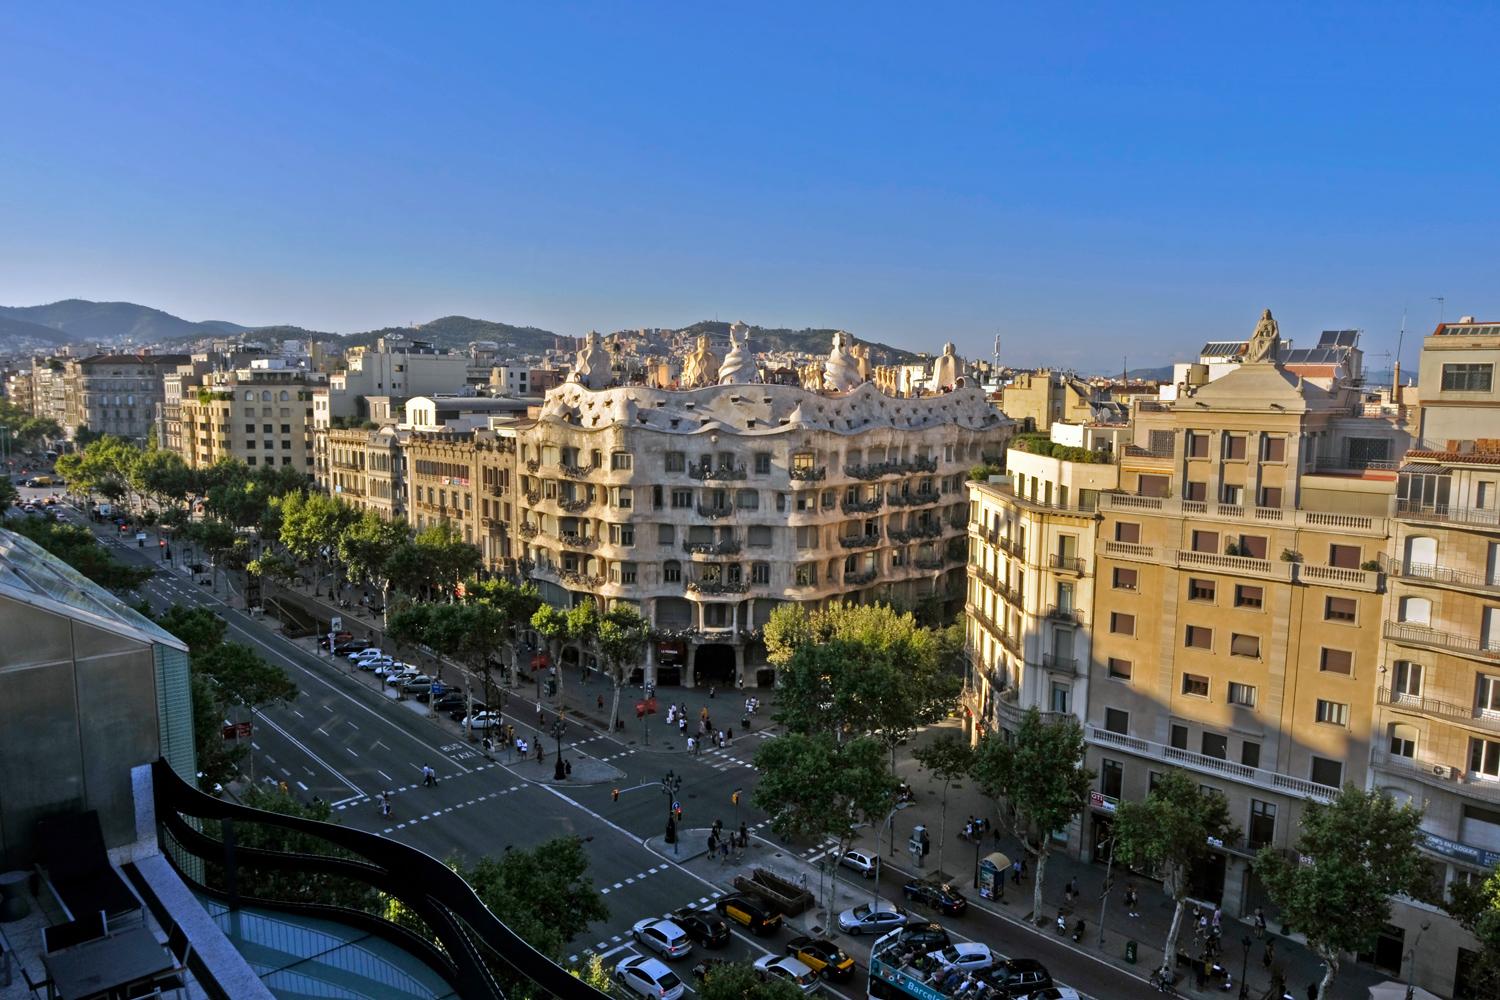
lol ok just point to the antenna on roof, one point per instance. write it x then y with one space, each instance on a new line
1441 301
997 352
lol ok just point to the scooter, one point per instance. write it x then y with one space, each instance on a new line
1078 931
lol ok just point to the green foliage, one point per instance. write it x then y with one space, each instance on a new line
161 475
366 545
1169 830
200 628
1042 444
1039 774
273 567
312 524
545 894
981 473
1362 849
740 981
860 669
8 493
78 548
1476 906
593 971
432 564
948 757
621 638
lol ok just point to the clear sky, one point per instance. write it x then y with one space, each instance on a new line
1087 182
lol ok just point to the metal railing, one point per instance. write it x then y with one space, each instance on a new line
1258 777
1068 564
1425 635
1438 574
1468 714
1450 513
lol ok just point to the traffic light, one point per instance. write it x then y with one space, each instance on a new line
616 794
735 798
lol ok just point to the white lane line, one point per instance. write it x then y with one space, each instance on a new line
387 777
298 714
351 750
311 756
285 772
302 786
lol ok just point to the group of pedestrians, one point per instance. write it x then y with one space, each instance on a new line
720 738
720 844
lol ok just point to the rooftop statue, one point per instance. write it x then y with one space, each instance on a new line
1266 342
947 368
592 367
739 366
841 370
700 368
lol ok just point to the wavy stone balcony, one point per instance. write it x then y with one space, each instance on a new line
720 473
726 547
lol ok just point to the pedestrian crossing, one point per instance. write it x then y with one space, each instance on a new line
632 880
448 809
603 947
358 800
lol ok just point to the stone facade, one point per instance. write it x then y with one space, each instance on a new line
259 416
116 394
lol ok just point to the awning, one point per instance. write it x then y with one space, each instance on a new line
997 861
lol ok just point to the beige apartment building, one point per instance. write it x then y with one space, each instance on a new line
365 469
116 394
1031 593
1037 400
709 507
261 416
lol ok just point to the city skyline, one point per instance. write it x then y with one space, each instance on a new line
1071 182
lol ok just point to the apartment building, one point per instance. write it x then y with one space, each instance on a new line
1437 712
707 508
259 415
366 468
19 390
116 394
1037 400
1032 581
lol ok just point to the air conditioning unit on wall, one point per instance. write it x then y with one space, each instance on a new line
1442 771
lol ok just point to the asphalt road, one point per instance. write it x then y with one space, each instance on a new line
345 739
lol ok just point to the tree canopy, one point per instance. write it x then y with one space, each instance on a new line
544 894
78 548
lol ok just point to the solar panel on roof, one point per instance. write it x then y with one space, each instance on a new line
1338 338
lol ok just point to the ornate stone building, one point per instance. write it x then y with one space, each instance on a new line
707 508
261 416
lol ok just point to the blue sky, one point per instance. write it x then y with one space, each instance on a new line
1087 182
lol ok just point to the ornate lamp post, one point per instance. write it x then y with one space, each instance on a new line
559 726
1411 958
1245 968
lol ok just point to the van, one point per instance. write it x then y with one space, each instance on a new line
106 510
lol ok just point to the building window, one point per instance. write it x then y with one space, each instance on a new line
1488 698
682 499
807 575
1197 444
1198 637
1125 579
758 536
1246 596
1244 645
1467 377
622 534
1111 778
627 572
1340 609
1406 680
1195 685
1127 531
671 571
620 461
1206 541
1272 449
762 463
1241 694
1336 661
802 461
1484 757
1253 546
760 572
1403 740
1333 713
1344 556
1216 746
1061 693
1121 623
1195 491
665 534
1119 669
1234 447
1178 736
1117 721
1262 828
1201 590
249 428
1250 753
1327 772
747 499
676 461
1270 496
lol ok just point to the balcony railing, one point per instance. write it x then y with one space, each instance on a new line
808 475
914 533
1438 574
713 587
869 506
1467 714
1060 664
1131 503
714 513
859 541
928 563
1450 777
859 579
574 540
576 505
1071 616
1338 576
898 467
1239 565
1130 550
912 499
1068 564
1242 773
721 472
1450 513
1424 635
723 547
576 471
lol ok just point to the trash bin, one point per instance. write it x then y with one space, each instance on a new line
1130 947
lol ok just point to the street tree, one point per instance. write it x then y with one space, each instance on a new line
78 548
366 546
1360 849
516 602
545 893
8 493
214 537
311 526
1476 906
452 559
551 624
741 981
1038 779
621 641
163 476
949 758
815 787
1170 830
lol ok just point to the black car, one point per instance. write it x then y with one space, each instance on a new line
461 709
1019 977
751 912
939 895
703 927
351 646
925 937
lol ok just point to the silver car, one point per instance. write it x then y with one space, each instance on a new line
663 937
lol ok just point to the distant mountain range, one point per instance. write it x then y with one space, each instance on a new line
40 328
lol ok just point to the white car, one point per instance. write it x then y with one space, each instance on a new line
1053 993
399 673
791 969
663 937
876 919
861 861
365 654
379 664
482 720
967 955
649 977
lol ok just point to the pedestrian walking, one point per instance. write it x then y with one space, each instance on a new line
1071 889
723 851
1260 923
744 836
720 737
1218 918
682 726
1015 872
710 692
600 703
1131 901
691 745
427 776
1270 953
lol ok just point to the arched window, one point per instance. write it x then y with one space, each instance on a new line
285 395
1416 610
1421 551
249 395
671 571
265 395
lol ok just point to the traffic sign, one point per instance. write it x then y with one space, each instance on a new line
337 623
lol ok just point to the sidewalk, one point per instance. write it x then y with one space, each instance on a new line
1299 965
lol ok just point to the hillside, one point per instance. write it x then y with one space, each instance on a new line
17 336
458 331
82 320
805 341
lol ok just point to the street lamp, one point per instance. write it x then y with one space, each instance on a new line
1411 957
671 784
558 728
890 821
1245 968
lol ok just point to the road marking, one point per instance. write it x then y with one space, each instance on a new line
302 786
307 750
387 777
351 750
298 714
286 773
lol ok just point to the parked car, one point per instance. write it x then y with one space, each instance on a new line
1019 977
338 638
351 646
1054 993
663 937
368 651
867 918
822 956
705 927
379 664
970 956
863 862
750 913
939 895
457 715
918 937
649 977
788 968
417 684
482 720
399 673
